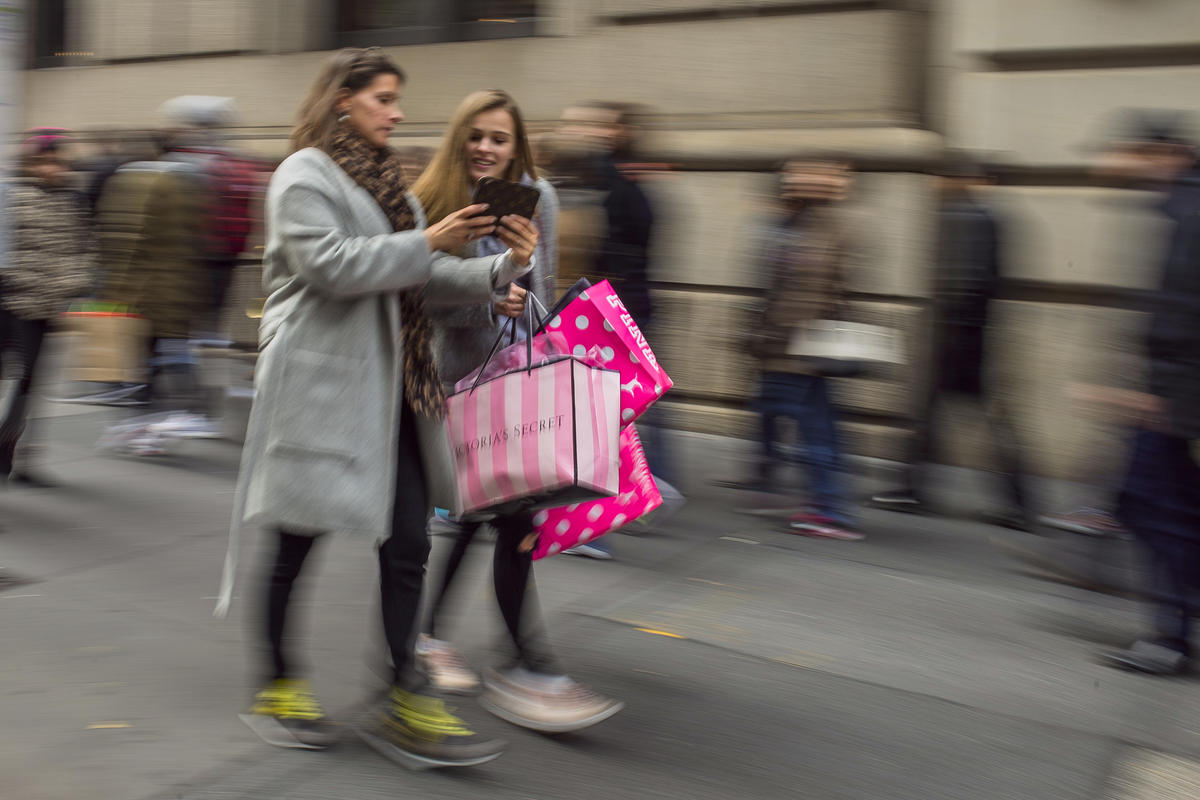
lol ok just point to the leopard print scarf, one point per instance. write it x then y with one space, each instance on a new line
379 171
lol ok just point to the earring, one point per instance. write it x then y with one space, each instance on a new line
345 115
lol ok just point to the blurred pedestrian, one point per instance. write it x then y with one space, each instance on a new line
151 234
50 263
231 184
967 269
100 166
615 129
346 433
803 254
1160 500
573 168
487 138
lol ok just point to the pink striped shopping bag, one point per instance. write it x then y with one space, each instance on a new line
546 436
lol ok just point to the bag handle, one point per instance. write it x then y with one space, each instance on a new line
512 333
579 287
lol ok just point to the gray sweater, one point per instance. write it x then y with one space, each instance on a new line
463 335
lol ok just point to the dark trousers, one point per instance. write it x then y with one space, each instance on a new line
1160 503
402 560
805 399
1005 446
24 337
516 592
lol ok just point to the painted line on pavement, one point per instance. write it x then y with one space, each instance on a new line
656 632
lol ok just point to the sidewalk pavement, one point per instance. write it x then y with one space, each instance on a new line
755 663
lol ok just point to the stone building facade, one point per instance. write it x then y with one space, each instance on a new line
737 85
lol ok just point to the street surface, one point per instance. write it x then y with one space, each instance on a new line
920 664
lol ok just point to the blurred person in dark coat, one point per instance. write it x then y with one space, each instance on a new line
613 131
966 275
49 264
151 239
803 259
230 182
1160 499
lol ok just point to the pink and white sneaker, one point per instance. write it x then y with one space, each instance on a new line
820 526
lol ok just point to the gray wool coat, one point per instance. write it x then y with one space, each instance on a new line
321 448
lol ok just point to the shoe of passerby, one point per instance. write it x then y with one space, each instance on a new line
822 527
287 714
136 437
1016 520
1151 658
147 444
445 666
31 479
545 703
185 425
589 551
898 501
124 394
419 732
1087 521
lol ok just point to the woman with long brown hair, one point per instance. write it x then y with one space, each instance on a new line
346 432
487 138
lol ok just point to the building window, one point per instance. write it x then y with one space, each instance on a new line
363 23
47 22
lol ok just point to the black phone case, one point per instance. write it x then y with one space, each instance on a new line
505 197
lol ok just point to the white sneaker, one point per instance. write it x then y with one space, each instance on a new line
550 704
589 551
184 425
445 666
147 444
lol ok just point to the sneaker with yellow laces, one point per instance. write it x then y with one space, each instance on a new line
418 731
286 714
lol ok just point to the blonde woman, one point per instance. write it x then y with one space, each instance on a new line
487 138
345 433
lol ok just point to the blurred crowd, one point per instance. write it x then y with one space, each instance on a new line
134 248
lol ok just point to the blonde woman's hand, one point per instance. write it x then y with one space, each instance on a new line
457 229
513 305
519 234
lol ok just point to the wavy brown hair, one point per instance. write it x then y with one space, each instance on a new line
352 68
445 185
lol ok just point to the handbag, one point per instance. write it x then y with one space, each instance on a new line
845 349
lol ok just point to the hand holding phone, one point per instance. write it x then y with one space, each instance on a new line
506 198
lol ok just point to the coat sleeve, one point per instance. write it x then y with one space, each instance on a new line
455 281
307 215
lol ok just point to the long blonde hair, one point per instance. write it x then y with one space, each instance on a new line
352 68
445 185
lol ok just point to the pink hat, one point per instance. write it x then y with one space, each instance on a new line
44 140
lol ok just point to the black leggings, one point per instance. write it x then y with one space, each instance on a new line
516 592
25 336
401 567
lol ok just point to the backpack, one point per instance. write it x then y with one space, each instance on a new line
234 182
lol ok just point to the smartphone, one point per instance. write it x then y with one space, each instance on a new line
505 197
